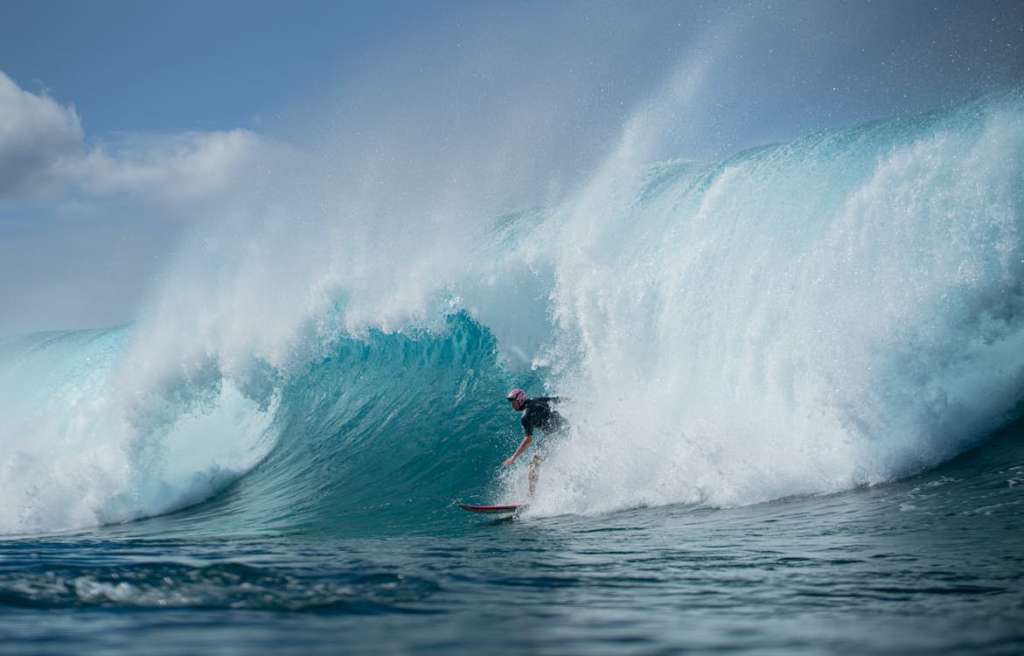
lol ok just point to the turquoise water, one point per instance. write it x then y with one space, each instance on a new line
794 381
932 564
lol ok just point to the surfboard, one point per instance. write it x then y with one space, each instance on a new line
492 510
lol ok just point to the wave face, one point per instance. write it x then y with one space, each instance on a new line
803 318
379 434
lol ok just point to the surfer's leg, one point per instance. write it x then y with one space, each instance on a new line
534 465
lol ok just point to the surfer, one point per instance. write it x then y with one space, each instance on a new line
537 413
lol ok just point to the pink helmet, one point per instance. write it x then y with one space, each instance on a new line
518 398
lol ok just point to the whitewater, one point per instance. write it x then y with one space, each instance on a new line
789 365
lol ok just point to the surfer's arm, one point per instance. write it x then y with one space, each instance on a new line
523 446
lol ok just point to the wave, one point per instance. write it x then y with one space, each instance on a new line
803 318
82 448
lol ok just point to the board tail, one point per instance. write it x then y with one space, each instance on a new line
492 510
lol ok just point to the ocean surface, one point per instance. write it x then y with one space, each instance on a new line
794 378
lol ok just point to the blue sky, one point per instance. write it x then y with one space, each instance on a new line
129 123
152 66
155 66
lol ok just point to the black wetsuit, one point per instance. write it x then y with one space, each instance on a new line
538 414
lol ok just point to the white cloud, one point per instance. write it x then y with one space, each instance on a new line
35 134
179 167
44 154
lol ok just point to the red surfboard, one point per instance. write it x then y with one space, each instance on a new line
492 510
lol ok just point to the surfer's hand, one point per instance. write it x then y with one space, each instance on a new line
508 462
